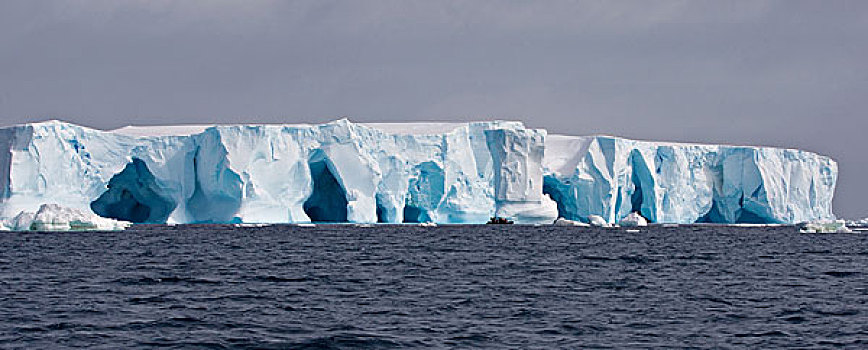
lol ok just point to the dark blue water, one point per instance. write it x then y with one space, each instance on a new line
344 287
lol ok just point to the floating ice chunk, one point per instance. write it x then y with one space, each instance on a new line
633 219
836 226
53 217
863 222
530 213
428 224
251 225
598 221
565 222
22 221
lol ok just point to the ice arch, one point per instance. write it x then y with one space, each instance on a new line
742 216
414 214
133 195
328 200
560 194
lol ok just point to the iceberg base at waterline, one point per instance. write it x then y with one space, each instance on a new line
565 222
52 217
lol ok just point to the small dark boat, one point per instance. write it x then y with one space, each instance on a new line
495 220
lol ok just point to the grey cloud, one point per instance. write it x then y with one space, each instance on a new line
781 73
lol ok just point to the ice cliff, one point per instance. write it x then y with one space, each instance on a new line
445 173
686 183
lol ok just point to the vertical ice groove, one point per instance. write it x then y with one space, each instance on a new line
685 183
7 139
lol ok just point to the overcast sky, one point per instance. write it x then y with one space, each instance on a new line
779 73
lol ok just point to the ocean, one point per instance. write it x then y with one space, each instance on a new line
402 286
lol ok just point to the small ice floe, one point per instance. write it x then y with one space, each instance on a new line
566 222
364 225
598 221
428 224
835 226
53 217
251 225
863 222
633 230
670 225
633 219
305 225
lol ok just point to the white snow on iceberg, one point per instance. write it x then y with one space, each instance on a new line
52 217
633 219
565 222
412 172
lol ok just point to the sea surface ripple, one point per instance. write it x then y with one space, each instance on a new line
495 286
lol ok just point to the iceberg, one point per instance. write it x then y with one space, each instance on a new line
52 217
598 221
831 226
565 222
400 173
22 221
862 222
633 219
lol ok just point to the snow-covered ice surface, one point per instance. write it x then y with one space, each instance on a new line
167 130
400 172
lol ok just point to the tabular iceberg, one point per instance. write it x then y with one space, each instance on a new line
365 173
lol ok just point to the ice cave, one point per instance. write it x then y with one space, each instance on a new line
328 199
133 195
